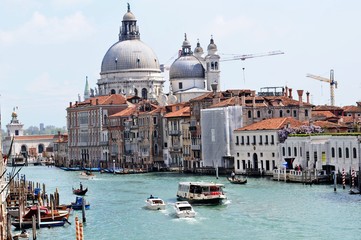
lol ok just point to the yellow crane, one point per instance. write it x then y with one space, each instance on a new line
331 81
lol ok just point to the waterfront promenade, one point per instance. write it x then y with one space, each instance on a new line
260 209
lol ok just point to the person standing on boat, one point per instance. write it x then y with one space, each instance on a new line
233 175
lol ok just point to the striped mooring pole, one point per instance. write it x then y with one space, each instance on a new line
353 177
343 178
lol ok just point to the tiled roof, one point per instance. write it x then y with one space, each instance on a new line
272 124
351 108
327 125
325 114
126 112
327 108
346 119
103 100
183 112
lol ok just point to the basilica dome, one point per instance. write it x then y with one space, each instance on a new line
186 67
130 55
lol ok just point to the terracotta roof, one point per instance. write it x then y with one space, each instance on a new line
272 124
347 119
326 108
327 125
103 100
183 112
326 114
351 108
126 112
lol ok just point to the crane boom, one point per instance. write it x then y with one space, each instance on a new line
246 56
331 81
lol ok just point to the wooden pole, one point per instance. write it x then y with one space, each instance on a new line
33 221
83 209
77 230
39 217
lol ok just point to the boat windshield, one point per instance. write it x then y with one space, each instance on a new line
185 208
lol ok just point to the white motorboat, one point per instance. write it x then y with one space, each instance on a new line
155 203
87 175
184 210
201 192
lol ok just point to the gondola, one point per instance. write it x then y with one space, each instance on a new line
237 180
80 191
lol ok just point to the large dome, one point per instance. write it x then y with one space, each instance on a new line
186 67
130 55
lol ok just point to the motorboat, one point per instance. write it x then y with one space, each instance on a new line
201 192
78 204
87 175
155 203
184 210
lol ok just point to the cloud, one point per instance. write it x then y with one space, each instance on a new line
41 29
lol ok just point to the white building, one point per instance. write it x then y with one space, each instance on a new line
130 67
192 74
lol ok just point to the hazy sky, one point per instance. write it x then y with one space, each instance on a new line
48 47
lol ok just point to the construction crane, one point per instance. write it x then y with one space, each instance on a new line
246 56
331 81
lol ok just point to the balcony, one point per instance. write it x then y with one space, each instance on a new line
196 147
174 132
193 128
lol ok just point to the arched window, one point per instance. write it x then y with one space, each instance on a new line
333 152
339 152
216 65
135 92
281 113
155 149
258 114
289 151
283 151
112 91
249 114
295 151
354 153
347 153
144 93
40 148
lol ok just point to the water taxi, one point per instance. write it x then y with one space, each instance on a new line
155 203
201 192
184 210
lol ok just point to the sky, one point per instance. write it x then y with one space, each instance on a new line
48 48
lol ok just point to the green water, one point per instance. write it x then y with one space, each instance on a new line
260 209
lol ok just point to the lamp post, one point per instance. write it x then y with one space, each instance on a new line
113 166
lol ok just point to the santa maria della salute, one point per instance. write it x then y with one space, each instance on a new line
130 121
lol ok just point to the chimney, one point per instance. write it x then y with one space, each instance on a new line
286 92
243 100
300 93
308 97
76 103
236 101
290 93
70 104
91 102
96 101
214 87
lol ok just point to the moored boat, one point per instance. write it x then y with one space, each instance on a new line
155 203
184 210
78 204
201 192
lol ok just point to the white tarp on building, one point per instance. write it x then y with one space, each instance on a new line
217 131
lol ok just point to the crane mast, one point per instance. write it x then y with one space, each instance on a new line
331 81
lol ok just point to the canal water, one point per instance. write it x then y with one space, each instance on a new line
260 209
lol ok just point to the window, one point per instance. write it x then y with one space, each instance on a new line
254 140
347 153
249 114
237 140
266 142
339 152
295 151
333 152
289 151
294 113
238 154
281 113
306 112
354 153
283 151
272 139
261 154
273 154
260 140
247 140
258 114
242 140
180 85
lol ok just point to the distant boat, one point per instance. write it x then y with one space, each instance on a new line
78 204
237 180
80 191
87 175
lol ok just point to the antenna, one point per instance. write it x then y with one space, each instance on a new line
244 78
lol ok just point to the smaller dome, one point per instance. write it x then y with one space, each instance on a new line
198 49
186 67
129 16
14 115
212 47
